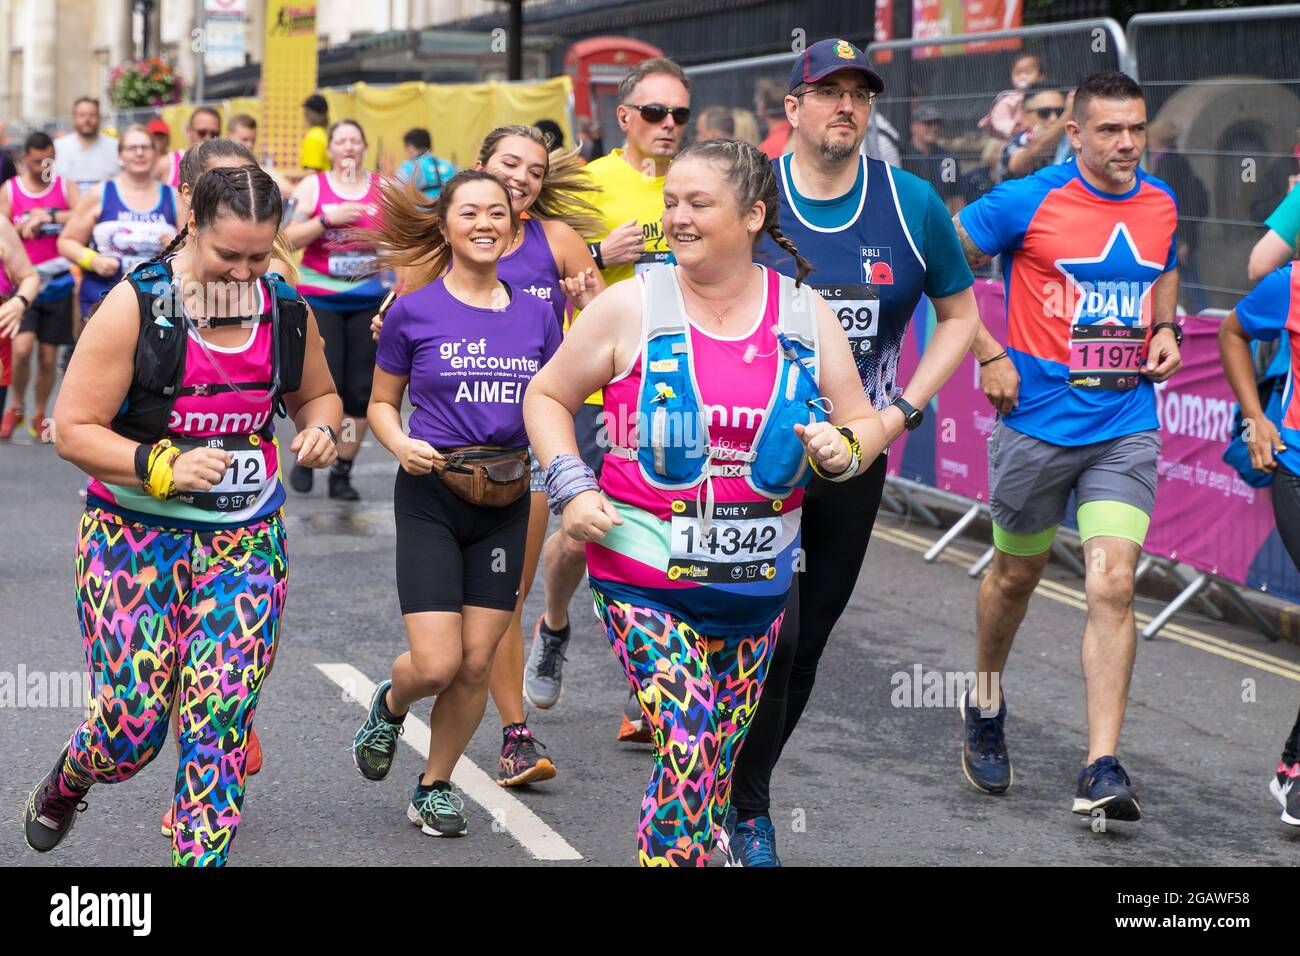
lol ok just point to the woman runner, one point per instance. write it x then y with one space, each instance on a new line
467 344
717 375
181 566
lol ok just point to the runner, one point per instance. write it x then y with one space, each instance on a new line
548 259
242 129
183 520
1092 284
204 124
339 286
880 237
424 170
38 203
467 344
127 220
654 107
694 526
19 286
86 156
1265 315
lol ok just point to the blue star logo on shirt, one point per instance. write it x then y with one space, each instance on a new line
1112 288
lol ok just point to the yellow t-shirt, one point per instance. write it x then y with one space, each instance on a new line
313 154
626 194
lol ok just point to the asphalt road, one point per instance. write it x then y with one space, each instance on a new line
863 781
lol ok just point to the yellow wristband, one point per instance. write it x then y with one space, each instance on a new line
161 483
87 258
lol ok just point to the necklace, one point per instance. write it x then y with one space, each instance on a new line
716 314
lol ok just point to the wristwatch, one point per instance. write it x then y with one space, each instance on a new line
1178 331
328 431
912 416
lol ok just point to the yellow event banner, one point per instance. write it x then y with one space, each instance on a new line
288 78
457 116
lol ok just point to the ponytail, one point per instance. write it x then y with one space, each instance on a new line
802 266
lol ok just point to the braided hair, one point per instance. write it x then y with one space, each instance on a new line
245 192
753 180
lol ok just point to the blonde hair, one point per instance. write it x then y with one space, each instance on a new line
134 128
563 185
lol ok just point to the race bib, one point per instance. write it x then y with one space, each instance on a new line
52 269
245 479
649 260
858 309
742 542
351 265
1107 356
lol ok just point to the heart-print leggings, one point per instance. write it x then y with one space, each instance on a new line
699 695
170 615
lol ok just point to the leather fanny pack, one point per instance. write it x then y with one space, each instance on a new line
484 474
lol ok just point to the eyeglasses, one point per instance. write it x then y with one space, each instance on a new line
830 95
655 113
206 134
1049 112
138 148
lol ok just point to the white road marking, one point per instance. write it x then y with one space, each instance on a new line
520 822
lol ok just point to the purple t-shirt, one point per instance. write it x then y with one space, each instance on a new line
468 367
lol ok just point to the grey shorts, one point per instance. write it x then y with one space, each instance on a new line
1030 480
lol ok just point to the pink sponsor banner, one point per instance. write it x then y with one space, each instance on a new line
964 419
1205 516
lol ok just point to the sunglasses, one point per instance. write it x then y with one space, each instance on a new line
206 134
655 113
1049 112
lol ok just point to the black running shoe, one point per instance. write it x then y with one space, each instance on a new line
301 479
375 743
52 809
341 482
438 810
1105 790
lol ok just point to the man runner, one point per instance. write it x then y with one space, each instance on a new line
1092 283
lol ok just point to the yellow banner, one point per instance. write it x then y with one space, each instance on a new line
288 78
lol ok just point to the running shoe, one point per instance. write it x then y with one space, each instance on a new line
252 753
438 810
52 809
1104 786
375 744
340 483
169 820
44 435
1285 787
633 728
984 757
544 671
750 842
520 762
10 421
301 479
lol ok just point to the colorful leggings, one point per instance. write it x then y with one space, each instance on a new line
699 695
150 599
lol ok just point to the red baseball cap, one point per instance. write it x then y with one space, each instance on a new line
158 126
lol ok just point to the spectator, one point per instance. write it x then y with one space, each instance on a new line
314 154
1165 161
204 123
551 130
589 143
930 161
1046 112
881 141
769 103
162 135
745 125
715 122
421 167
976 182
1005 118
86 156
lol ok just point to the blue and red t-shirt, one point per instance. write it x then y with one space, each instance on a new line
1272 308
1079 268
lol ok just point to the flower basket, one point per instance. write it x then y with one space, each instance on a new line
152 82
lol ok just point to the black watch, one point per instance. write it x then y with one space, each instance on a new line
1178 331
912 417
328 431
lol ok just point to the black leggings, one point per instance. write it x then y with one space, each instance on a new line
350 354
835 528
1286 512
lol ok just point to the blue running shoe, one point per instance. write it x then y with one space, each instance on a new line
375 743
750 842
1105 787
984 757
438 810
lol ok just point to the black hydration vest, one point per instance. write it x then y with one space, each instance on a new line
161 346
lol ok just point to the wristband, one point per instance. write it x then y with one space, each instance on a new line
325 223
855 451
594 249
27 303
328 431
1000 355
87 258
566 478
161 483
142 453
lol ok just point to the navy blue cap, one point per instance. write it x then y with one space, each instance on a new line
827 56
